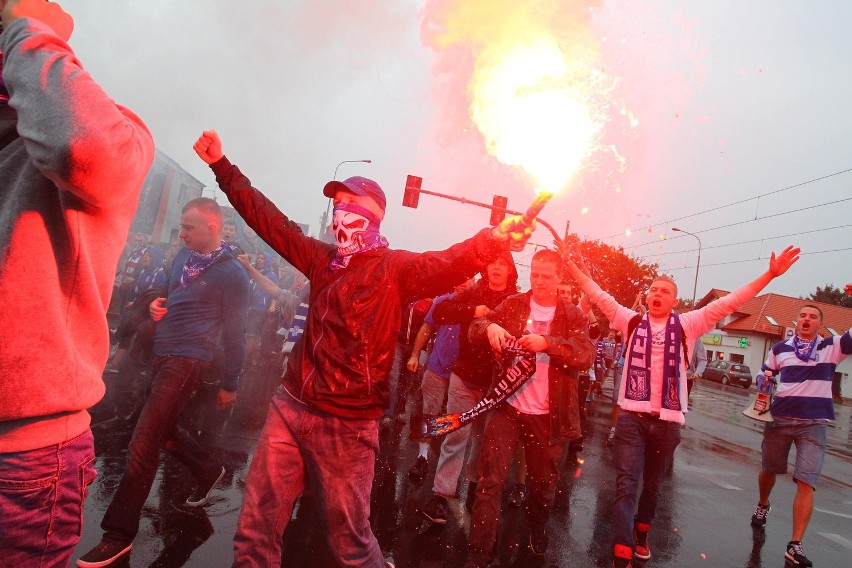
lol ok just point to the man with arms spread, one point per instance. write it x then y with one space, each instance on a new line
207 300
322 427
544 412
72 164
653 393
801 409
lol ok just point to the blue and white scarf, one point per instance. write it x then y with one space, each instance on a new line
805 350
637 388
197 263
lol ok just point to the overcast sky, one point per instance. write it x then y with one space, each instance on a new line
733 100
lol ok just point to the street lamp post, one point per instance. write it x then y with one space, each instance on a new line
697 264
324 220
349 162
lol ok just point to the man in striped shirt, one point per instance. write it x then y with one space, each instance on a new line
804 366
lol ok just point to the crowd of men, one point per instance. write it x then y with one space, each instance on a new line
70 154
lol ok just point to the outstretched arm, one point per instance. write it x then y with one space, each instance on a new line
703 319
282 234
76 135
267 285
778 265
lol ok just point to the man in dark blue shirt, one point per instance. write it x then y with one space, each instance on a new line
206 303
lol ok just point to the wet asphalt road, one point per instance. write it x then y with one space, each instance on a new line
702 519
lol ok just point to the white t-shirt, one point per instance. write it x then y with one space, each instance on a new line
658 343
533 396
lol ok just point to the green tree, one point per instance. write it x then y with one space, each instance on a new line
622 275
831 295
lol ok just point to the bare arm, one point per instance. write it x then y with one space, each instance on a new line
267 285
419 343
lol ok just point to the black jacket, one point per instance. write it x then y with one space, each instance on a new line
342 363
475 363
570 352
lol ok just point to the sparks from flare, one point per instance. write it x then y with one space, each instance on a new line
539 94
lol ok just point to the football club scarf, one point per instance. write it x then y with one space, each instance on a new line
517 365
197 263
637 388
805 350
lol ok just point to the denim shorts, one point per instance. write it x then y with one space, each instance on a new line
809 437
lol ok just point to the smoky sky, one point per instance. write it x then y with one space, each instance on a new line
733 100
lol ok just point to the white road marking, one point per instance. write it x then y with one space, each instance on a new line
833 513
724 485
837 539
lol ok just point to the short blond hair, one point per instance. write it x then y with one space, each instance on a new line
208 208
666 278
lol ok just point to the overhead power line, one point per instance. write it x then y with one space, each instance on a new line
720 207
737 223
757 259
753 240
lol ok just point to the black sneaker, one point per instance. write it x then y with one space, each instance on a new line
538 539
517 495
436 510
758 519
202 492
796 554
610 439
419 469
106 553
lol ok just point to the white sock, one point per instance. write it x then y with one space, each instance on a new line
424 450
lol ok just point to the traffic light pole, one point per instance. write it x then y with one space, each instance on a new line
465 200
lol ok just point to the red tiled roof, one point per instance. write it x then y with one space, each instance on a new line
784 310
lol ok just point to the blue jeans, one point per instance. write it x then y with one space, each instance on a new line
644 446
336 457
41 502
174 381
460 397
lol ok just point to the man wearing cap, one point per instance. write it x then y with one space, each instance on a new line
322 427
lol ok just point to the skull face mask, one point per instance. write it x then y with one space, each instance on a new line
356 230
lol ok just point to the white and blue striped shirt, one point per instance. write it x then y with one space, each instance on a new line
804 387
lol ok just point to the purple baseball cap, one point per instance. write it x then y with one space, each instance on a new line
359 186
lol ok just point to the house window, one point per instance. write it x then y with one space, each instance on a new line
182 194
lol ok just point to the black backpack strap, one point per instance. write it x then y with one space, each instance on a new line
631 327
634 323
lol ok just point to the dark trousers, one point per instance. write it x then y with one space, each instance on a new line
506 428
174 381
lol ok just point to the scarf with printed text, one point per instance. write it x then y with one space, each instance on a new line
637 389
